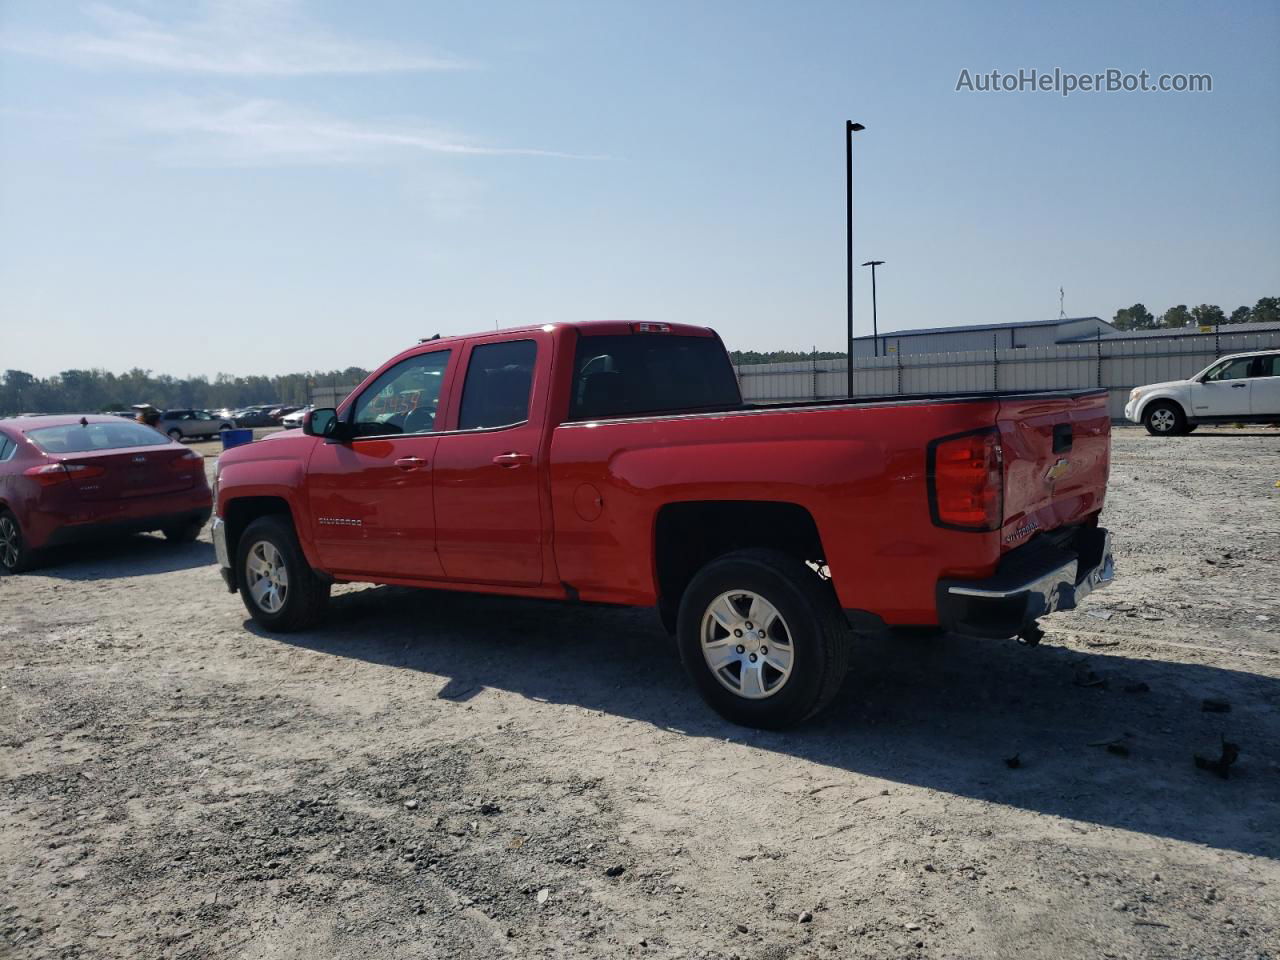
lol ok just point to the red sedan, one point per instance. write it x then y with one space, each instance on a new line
65 478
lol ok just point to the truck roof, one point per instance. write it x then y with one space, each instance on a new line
588 328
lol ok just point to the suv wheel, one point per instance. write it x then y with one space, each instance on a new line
763 638
277 585
14 555
1164 418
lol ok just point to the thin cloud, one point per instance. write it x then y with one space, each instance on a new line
229 38
262 132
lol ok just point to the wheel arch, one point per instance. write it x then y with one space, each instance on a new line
689 534
1167 396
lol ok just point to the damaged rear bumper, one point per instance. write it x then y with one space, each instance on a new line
1031 582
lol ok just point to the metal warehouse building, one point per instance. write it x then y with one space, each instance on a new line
986 336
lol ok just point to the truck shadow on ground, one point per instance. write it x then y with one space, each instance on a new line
945 714
122 557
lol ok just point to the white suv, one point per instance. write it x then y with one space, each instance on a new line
1242 388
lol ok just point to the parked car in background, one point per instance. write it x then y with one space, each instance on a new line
69 477
255 417
192 424
292 421
617 463
1241 388
278 413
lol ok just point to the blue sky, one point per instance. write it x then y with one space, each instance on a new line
262 186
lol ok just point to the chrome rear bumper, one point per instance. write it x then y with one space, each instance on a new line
1032 582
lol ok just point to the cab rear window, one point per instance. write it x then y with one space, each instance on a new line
83 438
650 373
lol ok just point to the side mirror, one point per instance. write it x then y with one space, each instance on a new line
323 422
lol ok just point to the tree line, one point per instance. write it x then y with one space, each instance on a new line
1138 317
90 391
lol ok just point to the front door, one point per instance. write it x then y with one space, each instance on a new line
371 500
487 477
1223 391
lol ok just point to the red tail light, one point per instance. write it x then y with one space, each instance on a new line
651 327
190 460
966 482
51 474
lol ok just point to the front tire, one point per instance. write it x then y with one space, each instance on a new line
1164 418
763 638
278 586
15 555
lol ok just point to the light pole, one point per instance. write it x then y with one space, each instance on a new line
850 128
875 326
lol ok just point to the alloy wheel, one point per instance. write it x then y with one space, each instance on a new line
1163 420
266 576
747 644
10 543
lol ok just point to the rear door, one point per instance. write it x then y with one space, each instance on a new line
488 467
1224 390
1264 386
1057 450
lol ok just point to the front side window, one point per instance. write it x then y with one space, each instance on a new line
1231 370
75 438
499 380
404 399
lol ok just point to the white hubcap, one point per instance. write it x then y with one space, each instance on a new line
747 644
10 543
266 576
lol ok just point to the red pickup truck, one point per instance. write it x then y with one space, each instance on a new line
617 463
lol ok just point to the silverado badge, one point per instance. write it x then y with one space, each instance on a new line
1058 471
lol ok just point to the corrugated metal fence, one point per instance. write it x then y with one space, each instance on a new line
1116 364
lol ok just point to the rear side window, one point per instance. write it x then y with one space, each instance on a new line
650 373
75 438
1265 367
7 448
499 380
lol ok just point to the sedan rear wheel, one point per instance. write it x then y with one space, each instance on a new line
175 434
14 555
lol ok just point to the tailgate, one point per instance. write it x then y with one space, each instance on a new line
1057 455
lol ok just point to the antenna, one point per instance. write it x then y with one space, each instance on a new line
1062 296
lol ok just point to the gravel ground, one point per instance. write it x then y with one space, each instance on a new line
435 775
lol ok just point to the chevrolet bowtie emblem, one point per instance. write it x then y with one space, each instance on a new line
1058 471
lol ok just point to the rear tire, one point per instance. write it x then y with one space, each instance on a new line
183 533
176 435
800 619
278 586
15 556
1164 418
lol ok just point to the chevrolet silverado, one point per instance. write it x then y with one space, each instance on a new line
617 463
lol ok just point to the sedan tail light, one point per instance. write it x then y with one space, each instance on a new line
190 460
51 474
966 481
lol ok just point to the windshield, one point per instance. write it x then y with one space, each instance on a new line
77 438
650 373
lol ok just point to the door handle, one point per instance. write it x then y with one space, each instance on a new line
512 459
1238 386
410 463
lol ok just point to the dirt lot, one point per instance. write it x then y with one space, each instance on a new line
450 776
